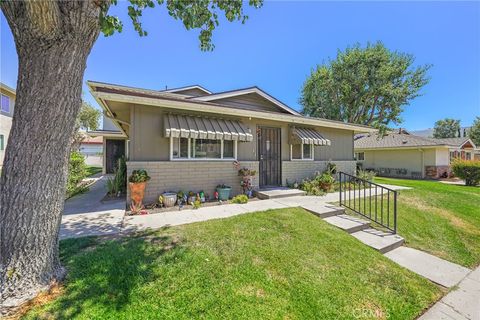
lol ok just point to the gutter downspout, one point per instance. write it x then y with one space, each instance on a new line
423 163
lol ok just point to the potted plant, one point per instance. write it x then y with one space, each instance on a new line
223 191
137 183
325 180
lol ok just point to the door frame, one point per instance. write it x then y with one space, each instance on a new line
258 131
105 153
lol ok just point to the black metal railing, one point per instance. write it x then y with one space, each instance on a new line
370 200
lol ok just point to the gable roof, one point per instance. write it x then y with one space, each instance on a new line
245 91
402 140
188 88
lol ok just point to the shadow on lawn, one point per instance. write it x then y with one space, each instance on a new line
104 274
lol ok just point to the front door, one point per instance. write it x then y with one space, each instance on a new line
114 150
269 156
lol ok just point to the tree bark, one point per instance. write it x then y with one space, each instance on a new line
53 40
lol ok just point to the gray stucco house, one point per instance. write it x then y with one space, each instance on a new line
191 138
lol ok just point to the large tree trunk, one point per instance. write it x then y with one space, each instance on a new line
53 40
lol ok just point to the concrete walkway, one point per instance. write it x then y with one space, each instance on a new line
86 214
462 303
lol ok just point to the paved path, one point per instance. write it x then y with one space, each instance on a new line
462 303
86 214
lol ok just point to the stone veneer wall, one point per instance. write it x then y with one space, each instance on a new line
436 172
299 170
190 175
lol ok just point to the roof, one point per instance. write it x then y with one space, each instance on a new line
92 140
402 140
7 88
105 91
180 89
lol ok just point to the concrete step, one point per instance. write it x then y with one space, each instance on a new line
324 211
379 240
348 223
279 193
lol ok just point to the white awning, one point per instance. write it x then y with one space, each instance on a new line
181 126
307 136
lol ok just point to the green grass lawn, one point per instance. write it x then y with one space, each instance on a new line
277 264
91 170
441 219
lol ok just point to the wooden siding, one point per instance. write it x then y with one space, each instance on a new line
250 101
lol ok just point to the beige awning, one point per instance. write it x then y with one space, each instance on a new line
181 126
307 136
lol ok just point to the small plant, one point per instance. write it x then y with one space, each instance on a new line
241 198
331 168
196 204
468 170
118 184
223 186
137 209
366 174
246 172
139 176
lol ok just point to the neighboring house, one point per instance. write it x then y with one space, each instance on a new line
92 150
401 154
428 133
7 104
190 138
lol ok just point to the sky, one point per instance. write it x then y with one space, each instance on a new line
281 43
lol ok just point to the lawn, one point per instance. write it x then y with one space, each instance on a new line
277 264
441 219
91 170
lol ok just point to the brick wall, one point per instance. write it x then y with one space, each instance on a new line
190 175
436 172
298 170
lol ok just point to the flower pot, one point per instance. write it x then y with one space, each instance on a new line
137 191
169 199
223 193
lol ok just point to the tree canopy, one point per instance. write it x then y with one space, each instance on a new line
365 85
474 132
195 14
446 128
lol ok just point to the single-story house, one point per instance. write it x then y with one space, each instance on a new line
190 138
401 154
7 104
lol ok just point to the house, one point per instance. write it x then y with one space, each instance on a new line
92 149
428 133
7 104
401 154
190 138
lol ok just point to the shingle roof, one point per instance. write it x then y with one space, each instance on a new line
396 140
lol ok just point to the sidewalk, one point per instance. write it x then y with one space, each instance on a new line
462 303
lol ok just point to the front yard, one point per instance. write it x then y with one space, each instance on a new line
283 263
440 218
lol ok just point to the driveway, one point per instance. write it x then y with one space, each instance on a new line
86 214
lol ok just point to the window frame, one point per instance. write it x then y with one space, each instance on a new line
2 142
189 155
312 153
9 105
357 156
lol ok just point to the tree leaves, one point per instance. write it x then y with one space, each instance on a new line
446 128
194 14
363 85
474 132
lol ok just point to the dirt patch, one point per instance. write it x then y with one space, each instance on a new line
42 298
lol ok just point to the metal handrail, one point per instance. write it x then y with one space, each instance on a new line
380 211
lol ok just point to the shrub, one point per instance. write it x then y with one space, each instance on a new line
468 170
241 198
76 173
138 176
118 184
366 174
321 183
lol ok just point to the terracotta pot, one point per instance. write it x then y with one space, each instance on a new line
137 191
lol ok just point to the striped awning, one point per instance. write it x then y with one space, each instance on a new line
307 136
181 126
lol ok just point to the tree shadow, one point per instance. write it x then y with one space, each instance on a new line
103 272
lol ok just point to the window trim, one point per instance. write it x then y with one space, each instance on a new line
2 142
9 105
357 156
312 153
189 156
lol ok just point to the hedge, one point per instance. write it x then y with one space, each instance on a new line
468 170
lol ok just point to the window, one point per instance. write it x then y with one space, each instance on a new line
301 151
360 156
189 148
2 146
5 103
468 156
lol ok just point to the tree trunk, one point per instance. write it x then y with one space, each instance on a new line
53 41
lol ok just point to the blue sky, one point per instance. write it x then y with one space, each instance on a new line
280 44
